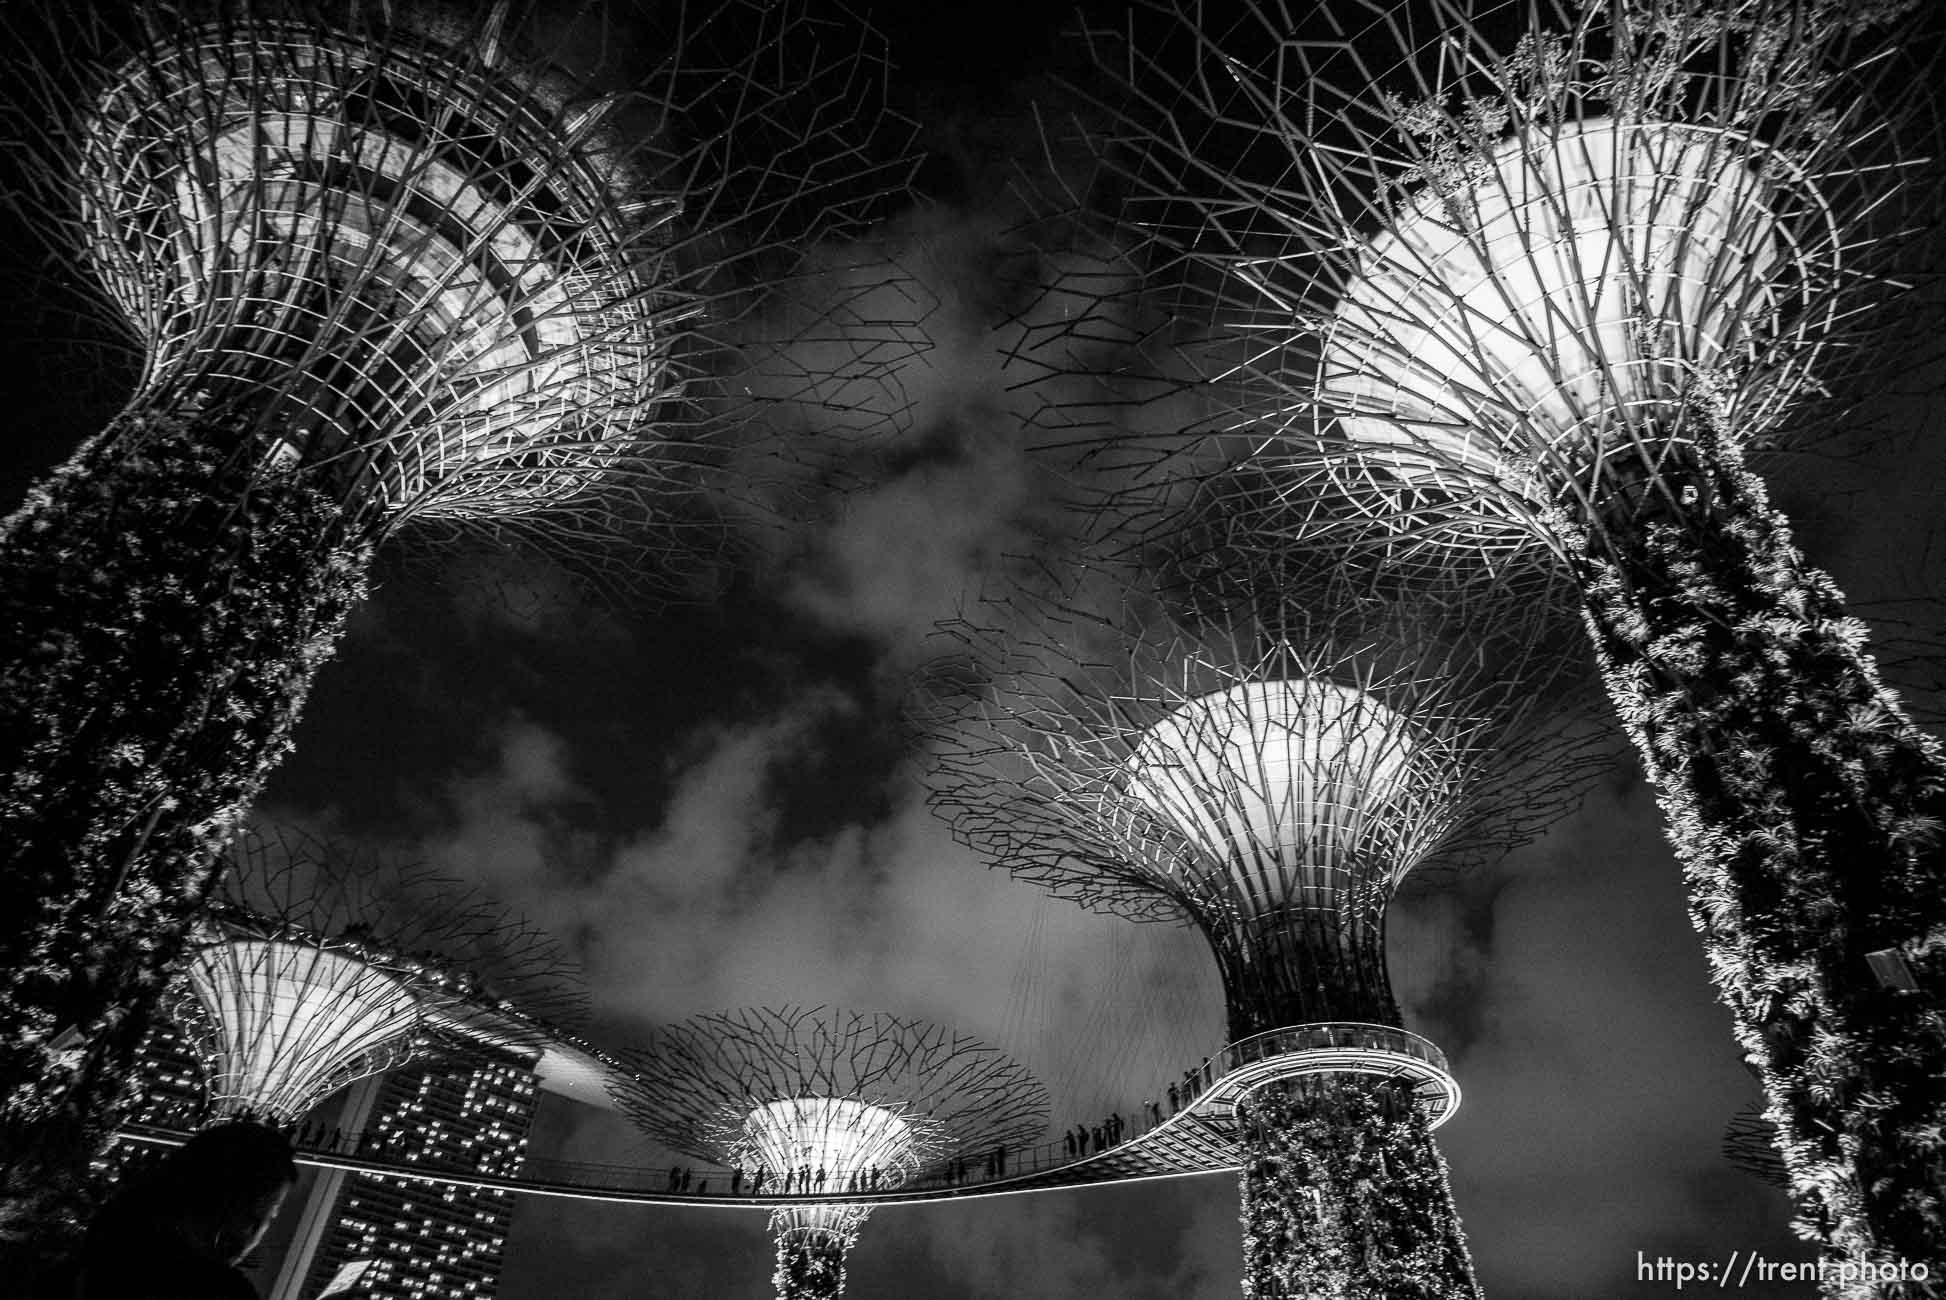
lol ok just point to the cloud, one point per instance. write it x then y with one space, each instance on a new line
1001 446
709 908
898 559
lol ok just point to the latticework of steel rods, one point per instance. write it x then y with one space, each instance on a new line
1481 283
1266 747
864 1101
506 271
320 964
494 270
1446 265
1264 750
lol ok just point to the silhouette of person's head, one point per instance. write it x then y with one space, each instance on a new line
219 1191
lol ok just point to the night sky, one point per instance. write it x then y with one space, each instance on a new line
716 805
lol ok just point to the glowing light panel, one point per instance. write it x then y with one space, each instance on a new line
1278 781
285 1024
416 246
1577 275
843 1137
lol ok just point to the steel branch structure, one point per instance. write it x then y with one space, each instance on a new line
1260 747
497 270
319 965
1456 265
1266 750
1486 283
813 1099
457 267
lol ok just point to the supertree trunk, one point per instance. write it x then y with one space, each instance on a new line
1345 1196
164 605
1806 811
810 1266
1303 967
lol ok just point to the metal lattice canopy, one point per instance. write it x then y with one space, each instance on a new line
846 1094
469 266
1263 748
1441 264
320 965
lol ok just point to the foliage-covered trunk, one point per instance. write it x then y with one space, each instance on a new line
810 1265
1345 1197
164 605
1807 813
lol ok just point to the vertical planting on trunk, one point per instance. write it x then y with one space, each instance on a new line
1806 810
1345 1197
164 605
810 1266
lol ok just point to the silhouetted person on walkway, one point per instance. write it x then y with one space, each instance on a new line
685 1179
176 1231
1175 1099
820 1177
675 1178
736 1182
1068 1139
757 1183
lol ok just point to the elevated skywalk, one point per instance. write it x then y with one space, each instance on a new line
1199 1138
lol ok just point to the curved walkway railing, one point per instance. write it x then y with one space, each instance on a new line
1187 1127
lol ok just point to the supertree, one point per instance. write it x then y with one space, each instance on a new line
805 1101
1491 283
388 269
317 964
1265 750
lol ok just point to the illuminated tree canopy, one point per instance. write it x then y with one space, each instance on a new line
1484 283
1214 731
499 273
1454 264
1263 748
826 1100
319 964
